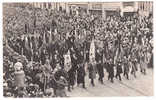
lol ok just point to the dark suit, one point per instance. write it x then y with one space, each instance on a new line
119 71
100 70
111 71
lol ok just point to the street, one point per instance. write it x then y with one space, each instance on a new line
140 86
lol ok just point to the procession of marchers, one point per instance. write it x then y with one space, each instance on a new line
56 55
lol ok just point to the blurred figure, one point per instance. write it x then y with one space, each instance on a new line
100 70
92 71
119 70
111 70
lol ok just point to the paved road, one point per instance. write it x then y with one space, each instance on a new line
140 86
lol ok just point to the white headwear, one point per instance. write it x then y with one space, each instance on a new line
18 66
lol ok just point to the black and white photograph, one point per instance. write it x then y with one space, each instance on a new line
78 49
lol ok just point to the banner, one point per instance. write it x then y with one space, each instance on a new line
67 61
27 44
92 51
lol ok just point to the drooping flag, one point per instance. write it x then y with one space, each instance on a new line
26 43
92 51
67 35
50 36
31 49
76 35
44 39
67 61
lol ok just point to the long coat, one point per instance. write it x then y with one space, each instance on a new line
111 70
60 91
71 78
92 71
126 66
80 74
100 69
119 69
72 71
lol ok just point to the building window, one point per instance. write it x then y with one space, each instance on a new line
49 5
143 5
97 6
125 4
44 5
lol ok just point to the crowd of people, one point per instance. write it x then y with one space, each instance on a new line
122 43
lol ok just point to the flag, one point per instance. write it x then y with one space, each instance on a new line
67 35
44 39
26 43
67 61
92 51
50 36
76 35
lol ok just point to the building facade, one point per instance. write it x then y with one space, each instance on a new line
145 8
105 9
